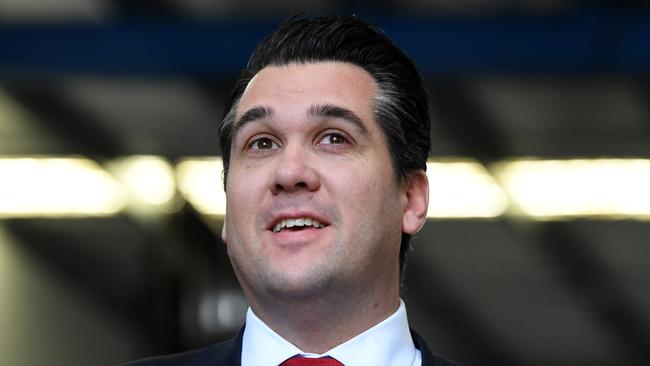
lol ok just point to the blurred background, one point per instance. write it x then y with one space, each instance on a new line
537 250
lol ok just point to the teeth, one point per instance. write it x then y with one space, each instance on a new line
300 222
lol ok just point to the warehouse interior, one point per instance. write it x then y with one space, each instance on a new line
118 86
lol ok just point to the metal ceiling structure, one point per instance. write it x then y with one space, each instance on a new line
112 78
585 41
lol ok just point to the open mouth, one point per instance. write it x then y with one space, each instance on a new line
297 224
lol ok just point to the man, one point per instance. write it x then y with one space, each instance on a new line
324 145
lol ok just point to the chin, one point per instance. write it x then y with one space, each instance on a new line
301 286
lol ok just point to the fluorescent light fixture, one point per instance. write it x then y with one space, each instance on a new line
200 181
148 179
544 189
458 188
57 187
570 188
463 189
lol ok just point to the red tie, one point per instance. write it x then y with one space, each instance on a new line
304 361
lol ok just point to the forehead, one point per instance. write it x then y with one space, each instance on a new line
294 88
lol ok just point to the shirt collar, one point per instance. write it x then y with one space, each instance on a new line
387 343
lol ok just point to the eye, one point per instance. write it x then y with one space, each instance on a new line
263 143
333 138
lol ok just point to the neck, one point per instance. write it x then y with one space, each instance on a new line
318 324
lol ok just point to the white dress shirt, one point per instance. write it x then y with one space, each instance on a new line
388 343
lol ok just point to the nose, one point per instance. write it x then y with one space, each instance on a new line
295 171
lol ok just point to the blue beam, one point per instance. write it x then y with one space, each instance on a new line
584 42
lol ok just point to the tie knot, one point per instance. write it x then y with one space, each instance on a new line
305 361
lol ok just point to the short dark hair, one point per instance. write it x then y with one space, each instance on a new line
400 105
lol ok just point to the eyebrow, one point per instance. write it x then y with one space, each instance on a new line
254 114
333 111
317 111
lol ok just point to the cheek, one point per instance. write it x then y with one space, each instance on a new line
238 211
244 184
365 193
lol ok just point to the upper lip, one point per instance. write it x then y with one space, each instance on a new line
277 218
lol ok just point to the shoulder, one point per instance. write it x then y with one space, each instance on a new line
224 353
429 358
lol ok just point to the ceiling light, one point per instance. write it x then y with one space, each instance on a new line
457 188
57 187
463 188
148 179
570 188
199 179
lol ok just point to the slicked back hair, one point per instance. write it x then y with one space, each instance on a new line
400 106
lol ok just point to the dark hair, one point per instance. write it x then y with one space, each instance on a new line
400 106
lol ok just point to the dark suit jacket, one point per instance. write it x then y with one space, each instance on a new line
228 353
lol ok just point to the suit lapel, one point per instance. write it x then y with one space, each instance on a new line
427 355
226 353
428 358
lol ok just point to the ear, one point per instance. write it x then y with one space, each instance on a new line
416 202
223 231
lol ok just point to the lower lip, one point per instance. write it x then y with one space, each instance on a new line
293 238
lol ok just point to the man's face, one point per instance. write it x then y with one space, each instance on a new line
313 204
